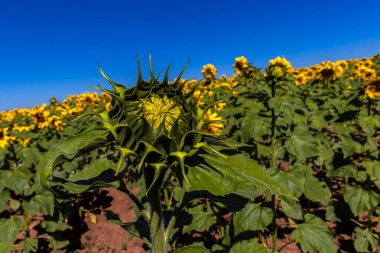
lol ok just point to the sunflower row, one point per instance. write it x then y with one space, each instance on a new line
364 70
53 117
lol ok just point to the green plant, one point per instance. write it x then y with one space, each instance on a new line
156 129
321 142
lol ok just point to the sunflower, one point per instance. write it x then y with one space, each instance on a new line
372 89
108 106
240 64
87 99
367 74
18 128
56 124
343 64
157 110
188 85
219 106
326 71
367 63
53 101
277 71
7 116
209 71
300 79
310 74
281 61
24 142
198 96
213 123
40 116
5 138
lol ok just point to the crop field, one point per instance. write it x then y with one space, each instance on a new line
278 159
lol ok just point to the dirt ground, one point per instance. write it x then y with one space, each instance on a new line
104 237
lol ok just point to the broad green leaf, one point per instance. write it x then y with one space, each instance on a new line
4 198
315 190
235 174
318 122
365 240
253 217
100 173
53 226
262 151
331 215
369 124
293 180
360 200
201 221
301 180
372 168
370 146
343 128
6 247
192 249
58 244
249 246
9 228
68 150
29 244
344 171
16 179
291 209
349 146
302 144
313 235
325 155
29 156
2 154
40 203
254 126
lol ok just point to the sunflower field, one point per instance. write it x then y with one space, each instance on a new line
260 161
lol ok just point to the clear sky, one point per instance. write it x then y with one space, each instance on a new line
51 48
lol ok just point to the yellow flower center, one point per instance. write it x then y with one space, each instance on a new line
157 111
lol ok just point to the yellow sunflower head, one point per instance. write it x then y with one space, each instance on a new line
326 71
213 123
372 89
300 79
209 71
367 63
24 142
277 71
240 64
281 61
310 74
343 64
160 111
53 101
5 138
56 124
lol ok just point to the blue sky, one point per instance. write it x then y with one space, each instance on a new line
51 48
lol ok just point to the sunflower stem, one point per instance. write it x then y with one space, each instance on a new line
369 107
135 200
156 225
14 154
273 165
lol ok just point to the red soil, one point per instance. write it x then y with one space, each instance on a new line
104 237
